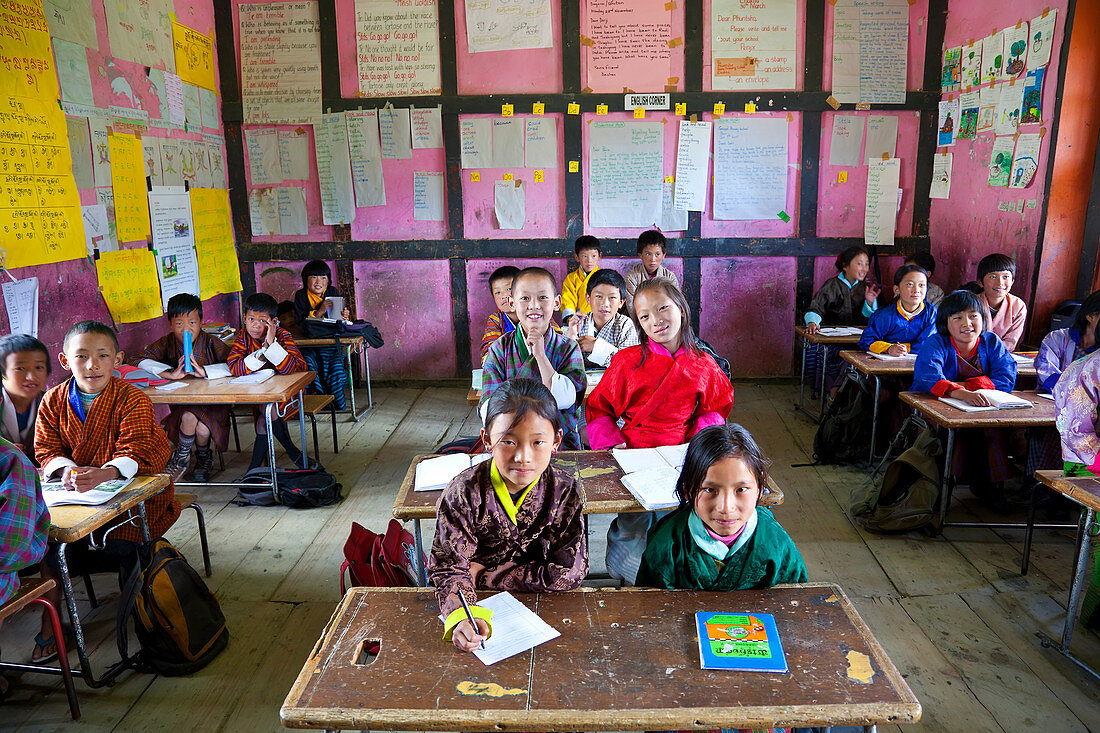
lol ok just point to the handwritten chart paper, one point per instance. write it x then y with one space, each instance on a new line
509 204
882 137
69 20
629 45
263 212
291 203
280 62
428 196
508 142
427 127
294 154
753 44
194 56
21 302
394 133
129 284
540 144
625 172
692 159
846 140
265 166
941 176
141 31
879 218
672 219
40 219
219 271
397 48
870 42
366 158
334 170
507 25
128 182
174 242
26 38
476 137
750 168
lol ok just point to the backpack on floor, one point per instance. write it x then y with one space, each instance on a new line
722 362
177 620
844 435
471 446
302 488
379 561
905 498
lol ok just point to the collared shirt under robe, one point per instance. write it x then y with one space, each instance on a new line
941 369
618 333
249 355
1076 396
118 430
24 518
893 325
637 275
1059 349
545 549
574 292
1008 320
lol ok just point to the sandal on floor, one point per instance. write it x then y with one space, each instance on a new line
41 643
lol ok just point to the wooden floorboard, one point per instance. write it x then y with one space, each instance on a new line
953 612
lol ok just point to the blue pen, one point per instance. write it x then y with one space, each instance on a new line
187 351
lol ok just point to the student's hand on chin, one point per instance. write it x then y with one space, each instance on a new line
464 637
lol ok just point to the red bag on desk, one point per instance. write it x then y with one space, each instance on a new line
379 561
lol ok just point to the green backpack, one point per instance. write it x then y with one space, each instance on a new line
905 497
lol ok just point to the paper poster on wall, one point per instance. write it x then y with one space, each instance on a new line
397 48
625 170
993 49
750 168
192 108
753 46
366 158
1015 50
105 197
1042 39
219 271
951 71
217 165
97 229
208 109
73 72
540 142
200 156
629 45
263 212
870 46
476 137
969 103
101 151
291 203
1025 160
692 161
141 31
882 137
294 154
880 216
28 69
334 170
150 155
427 127
194 54
171 162
280 47
80 151
173 91
941 176
508 142
187 164
971 75
21 304
509 204
672 219
265 166
394 133
173 242
72 22
846 140
507 25
428 196
1000 160
129 285
987 107
1031 110
1006 118
948 119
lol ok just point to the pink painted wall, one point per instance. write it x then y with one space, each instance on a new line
282 279
800 44
676 55
394 221
415 321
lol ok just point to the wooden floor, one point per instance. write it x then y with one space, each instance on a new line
953 612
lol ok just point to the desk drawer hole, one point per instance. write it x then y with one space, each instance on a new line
368 651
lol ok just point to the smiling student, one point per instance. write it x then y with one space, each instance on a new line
24 365
652 248
604 330
900 330
503 319
996 273
575 285
314 300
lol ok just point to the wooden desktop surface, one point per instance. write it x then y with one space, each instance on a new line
278 388
302 341
867 364
820 338
1040 414
70 522
627 659
599 478
1084 490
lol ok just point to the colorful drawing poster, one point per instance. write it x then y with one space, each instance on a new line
397 48
993 48
1015 50
941 176
969 102
846 140
194 56
625 171
1000 160
951 72
171 162
948 120
40 218
750 167
129 285
1031 111
880 216
26 38
334 170
628 46
173 242
1007 115
1025 160
507 25
870 47
971 75
141 31
987 107
280 62
1042 39
753 47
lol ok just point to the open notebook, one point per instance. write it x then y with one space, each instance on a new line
841 331
651 474
1000 401
433 474
912 358
56 495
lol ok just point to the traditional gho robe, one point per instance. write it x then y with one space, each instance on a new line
117 430
637 275
249 355
677 557
618 333
530 543
1008 320
208 351
496 326
894 325
24 518
1059 349
840 303
574 292
327 361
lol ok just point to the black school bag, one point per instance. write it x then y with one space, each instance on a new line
844 435
178 621
333 328
299 488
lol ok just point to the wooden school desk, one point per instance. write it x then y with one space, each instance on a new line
627 659
350 343
70 524
599 479
473 397
281 388
1084 491
875 369
820 342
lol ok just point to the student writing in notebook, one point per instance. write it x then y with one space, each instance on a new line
720 538
24 365
511 523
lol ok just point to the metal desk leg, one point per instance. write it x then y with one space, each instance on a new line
366 367
270 408
302 427
144 523
1085 532
802 378
945 485
1030 527
421 571
824 372
351 383
874 420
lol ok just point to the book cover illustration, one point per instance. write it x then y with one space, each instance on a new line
739 641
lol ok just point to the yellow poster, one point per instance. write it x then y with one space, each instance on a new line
131 192
128 281
194 56
40 218
219 271
26 56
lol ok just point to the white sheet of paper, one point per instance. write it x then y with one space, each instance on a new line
1006 118
941 176
334 169
150 154
101 154
254 378
692 161
427 127
1042 40
507 142
192 111
21 303
880 217
366 158
633 460
428 196
625 171
882 137
173 90
750 168
992 56
1025 161
105 197
209 109
173 242
280 51
507 25
294 155
170 386
263 210
265 166
515 629
655 488
96 226
672 219
291 201
510 204
754 44
476 136
846 140
394 133
433 474
476 377
870 48
540 148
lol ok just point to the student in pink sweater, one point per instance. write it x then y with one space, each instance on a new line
1007 313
